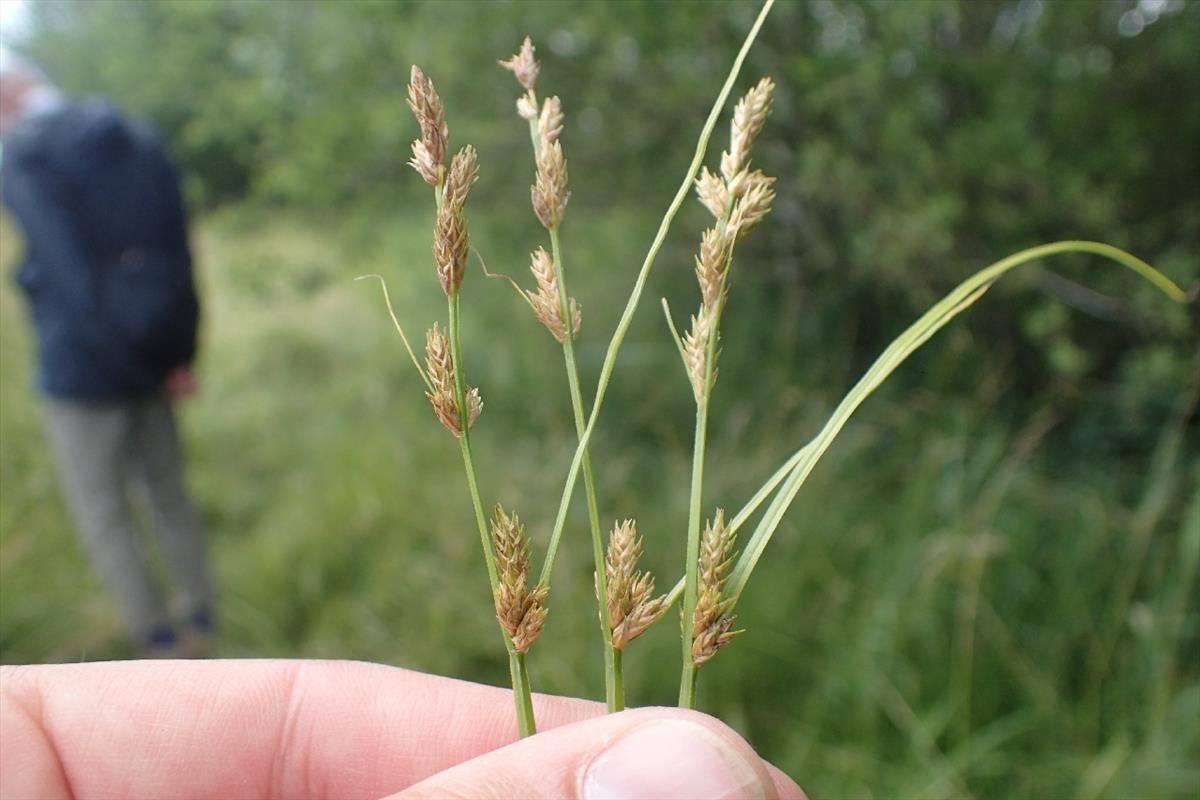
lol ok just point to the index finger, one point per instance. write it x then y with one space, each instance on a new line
246 729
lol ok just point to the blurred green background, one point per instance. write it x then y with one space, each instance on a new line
989 586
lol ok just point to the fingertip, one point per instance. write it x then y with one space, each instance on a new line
787 788
671 752
648 754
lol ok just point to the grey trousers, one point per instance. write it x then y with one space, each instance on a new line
105 450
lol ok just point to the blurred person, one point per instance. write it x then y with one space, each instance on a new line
108 277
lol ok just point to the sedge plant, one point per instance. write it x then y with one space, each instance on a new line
739 197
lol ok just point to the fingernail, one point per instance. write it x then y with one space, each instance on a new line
669 759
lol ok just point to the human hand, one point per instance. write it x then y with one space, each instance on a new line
325 729
181 383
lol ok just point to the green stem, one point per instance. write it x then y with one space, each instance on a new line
687 681
691 575
618 680
614 346
691 587
613 697
465 444
521 693
520 678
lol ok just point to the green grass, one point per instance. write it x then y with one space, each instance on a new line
964 600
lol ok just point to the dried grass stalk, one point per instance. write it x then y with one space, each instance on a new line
631 608
442 394
711 626
429 152
549 192
748 118
546 301
521 610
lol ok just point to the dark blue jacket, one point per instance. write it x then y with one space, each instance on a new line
108 272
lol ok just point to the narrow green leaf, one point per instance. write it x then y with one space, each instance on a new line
959 300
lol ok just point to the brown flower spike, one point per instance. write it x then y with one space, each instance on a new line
550 121
749 116
751 208
549 192
695 349
711 626
524 65
713 193
738 199
429 152
464 171
521 610
547 300
451 243
711 267
443 395
631 609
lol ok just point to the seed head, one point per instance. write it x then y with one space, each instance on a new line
431 116
443 394
474 406
748 118
712 621
526 108
631 609
550 121
524 65
547 300
451 246
423 162
549 192
464 171
712 193
695 348
712 265
752 207
521 610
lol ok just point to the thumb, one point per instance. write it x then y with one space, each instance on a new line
648 754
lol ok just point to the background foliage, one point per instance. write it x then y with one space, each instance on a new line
990 586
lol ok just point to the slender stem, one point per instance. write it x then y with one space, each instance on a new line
613 691
520 678
618 680
614 701
614 346
691 587
521 693
687 681
465 444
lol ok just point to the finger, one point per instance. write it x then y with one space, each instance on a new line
245 729
647 754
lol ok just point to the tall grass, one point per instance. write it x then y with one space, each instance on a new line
926 623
